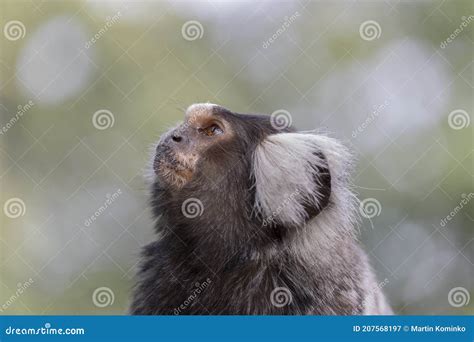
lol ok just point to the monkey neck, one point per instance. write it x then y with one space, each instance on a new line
227 232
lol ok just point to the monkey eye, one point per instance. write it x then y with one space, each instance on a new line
211 130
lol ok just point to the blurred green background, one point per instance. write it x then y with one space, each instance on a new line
88 86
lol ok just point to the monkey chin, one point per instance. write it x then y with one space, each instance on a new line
174 171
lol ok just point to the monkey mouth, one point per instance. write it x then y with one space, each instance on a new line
172 169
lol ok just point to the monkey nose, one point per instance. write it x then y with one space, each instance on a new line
176 137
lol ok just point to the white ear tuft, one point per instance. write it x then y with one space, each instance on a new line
286 174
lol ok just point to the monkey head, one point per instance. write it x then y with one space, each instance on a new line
251 182
206 130
255 208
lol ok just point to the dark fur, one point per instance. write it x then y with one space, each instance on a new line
229 248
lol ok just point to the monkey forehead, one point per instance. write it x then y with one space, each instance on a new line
201 111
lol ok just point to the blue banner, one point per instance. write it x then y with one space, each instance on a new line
238 328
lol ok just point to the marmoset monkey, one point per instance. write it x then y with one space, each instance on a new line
252 220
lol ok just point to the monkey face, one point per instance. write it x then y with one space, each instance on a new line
180 149
244 169
209 139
